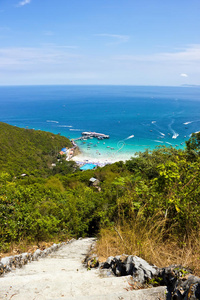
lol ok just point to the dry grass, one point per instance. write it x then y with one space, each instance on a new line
30 247
24 246
148 242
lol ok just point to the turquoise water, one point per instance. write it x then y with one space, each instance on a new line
136 118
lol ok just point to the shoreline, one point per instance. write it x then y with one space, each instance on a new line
83 158
102 153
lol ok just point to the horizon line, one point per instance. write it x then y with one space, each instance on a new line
76 84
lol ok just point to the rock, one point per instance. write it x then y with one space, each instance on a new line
187 287
1 268
7 261
17 261
37 254
131 265
194 291
25 258
54 247
107 264
181 284
45 252
92 262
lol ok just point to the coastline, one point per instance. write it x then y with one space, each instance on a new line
96 154
101 160
97 148
102 155
135 118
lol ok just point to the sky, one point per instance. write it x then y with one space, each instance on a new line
116 42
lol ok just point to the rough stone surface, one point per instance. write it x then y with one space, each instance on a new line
62 275
7 264
181 284
131 265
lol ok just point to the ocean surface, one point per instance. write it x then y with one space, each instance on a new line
135 117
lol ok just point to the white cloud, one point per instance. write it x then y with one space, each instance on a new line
27 58
51 63
24 2
183 75
189 54
117 37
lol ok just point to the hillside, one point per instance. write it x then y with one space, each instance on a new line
148 206
26 150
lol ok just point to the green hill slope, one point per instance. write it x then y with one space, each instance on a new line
26 150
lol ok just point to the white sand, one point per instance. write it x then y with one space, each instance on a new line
84 157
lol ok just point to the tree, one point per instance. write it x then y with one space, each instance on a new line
193 145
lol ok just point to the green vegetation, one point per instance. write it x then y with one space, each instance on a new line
28 151
146 205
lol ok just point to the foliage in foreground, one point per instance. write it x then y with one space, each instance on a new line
153 199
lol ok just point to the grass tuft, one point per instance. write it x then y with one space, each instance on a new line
151 242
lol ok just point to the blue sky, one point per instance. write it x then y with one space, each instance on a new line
128 42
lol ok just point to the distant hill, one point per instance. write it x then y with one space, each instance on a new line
27 150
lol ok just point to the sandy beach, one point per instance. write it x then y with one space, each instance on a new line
100 160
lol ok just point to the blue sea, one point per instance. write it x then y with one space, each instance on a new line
135 117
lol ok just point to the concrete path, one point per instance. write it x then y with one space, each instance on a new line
62 275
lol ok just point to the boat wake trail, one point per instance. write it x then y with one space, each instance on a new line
51 121
189 122
76 130
120 145
157 141
129 137
175 134
161 133
186 123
